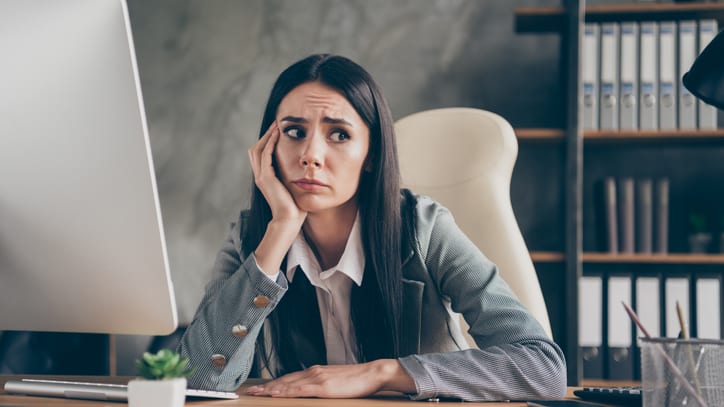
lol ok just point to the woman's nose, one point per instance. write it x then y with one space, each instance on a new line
313 154
310 160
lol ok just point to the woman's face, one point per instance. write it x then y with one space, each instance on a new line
323 147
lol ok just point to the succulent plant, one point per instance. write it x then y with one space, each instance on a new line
165 364
698 223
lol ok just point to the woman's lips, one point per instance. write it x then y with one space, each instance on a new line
309 184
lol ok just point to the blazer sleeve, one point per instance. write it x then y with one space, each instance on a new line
220 341
515 360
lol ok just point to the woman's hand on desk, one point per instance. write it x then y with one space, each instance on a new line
340 381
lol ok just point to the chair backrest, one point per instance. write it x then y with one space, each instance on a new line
464 159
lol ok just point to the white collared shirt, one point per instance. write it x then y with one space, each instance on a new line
334 289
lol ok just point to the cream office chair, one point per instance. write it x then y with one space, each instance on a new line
464 158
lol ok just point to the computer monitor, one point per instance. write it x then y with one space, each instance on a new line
82 247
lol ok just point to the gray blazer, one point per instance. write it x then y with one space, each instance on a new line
444 272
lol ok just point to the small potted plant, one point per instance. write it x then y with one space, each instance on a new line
700 237
161 382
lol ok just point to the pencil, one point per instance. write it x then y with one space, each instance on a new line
667 359
682 321
689 352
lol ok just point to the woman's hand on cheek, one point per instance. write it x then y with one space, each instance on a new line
339 381
277 196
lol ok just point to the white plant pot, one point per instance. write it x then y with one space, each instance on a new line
157 393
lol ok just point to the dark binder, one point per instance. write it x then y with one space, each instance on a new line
605 207
627 212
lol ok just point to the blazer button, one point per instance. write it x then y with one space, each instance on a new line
218 360
239 331
261 301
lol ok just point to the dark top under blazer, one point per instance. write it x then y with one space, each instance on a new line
443 272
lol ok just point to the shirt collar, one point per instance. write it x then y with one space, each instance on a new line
352 262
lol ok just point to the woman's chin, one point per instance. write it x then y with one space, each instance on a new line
312 204
315 204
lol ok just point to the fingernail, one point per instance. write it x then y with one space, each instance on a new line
254 389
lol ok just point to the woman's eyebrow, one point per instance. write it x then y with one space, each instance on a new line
332 120
293 119
326 119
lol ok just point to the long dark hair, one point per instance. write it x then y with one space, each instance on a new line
376 305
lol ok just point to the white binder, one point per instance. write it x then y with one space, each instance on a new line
619 323
590 76
590 325
648 76
668 80
590 311
628 92
609 76
687 54
620 360
707 113
708 308
647 305
677 289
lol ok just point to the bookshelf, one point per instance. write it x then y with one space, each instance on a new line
671 258
561 267
552 19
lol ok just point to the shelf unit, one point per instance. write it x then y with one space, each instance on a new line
558 135
567 21
553 19
671 258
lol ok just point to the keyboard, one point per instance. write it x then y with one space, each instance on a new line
93 391
619 395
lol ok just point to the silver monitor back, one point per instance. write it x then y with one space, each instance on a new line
81 238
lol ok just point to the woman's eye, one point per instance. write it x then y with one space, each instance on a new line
338 135
294 132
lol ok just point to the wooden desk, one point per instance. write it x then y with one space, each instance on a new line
382 400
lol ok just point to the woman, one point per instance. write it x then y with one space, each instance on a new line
357 278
